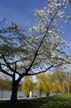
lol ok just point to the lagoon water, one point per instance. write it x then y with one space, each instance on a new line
7 94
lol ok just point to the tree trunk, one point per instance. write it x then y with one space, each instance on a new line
47 94
2 93
68 89
14 91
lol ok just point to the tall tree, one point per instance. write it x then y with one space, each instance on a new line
67 83
56 82
5 84
38 88
42 49
27 85
59 75
43 85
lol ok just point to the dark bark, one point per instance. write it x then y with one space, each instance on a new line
15 85
47 94
14 91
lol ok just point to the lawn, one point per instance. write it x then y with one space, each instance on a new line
63 101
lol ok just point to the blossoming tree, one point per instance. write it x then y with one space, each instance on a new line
35 50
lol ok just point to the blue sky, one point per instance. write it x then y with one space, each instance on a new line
22 11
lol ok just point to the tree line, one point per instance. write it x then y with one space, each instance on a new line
55 82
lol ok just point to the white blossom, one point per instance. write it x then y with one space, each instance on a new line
53 55
30 29
39 12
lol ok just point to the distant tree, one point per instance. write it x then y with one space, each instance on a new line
67 83
5 84
43 84
51 83
43 48
38 88
59 77
67 86
27 85
56 86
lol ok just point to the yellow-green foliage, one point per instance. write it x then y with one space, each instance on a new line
67 86
5 84
39 88
43 84
56 80
27 85
51 83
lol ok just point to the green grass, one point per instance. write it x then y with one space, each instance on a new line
63 101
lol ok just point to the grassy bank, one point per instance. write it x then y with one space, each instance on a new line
63 101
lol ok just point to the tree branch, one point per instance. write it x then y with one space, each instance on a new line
64 61
15 66
8 65
43 70
24 37
36 53
2 70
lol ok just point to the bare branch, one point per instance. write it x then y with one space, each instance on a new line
2 70
43 70
15 66
8 65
